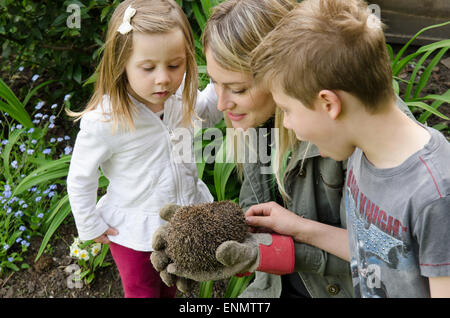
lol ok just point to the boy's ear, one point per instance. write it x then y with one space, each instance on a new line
330 103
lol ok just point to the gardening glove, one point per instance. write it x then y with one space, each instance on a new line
160 259
270 253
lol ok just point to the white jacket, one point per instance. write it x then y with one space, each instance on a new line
143 175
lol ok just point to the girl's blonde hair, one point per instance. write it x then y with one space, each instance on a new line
152 16
234 30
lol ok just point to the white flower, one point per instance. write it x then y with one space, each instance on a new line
76 241
35 77
84 255
66 97
95 249
75 251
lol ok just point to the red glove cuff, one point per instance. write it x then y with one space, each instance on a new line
279 257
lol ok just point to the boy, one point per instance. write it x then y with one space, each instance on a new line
328 69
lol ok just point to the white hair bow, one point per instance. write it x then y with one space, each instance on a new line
126 27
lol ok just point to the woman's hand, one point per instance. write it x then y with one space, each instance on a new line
103 239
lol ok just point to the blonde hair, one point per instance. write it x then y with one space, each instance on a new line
324 44
235 29
152 16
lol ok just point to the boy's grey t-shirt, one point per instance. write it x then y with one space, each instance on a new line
399 222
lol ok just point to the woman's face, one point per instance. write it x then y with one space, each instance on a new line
244 104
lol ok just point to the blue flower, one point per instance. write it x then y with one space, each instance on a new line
40 215
22 147
25 243
30 151
22 228
31 130
52 140
47 151
18 214
35 77
54 106
14 164
10 259
38 199
51 194
66 97
20 68
39 105
18 240
68 150
4 142
5 247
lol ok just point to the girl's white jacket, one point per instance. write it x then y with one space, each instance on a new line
143 173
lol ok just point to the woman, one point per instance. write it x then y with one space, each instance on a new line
311 185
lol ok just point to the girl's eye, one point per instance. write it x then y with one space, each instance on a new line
148 69
174 66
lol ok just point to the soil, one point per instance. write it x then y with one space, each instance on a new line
47 278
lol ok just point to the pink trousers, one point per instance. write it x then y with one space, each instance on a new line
139 278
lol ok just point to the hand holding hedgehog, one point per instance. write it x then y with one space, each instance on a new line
211 241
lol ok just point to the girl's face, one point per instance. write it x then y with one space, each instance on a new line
156 67
245 105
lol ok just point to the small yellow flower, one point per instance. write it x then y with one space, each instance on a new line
84 255
95 249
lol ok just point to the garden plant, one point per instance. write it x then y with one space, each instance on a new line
48 67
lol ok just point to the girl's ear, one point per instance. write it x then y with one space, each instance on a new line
330 102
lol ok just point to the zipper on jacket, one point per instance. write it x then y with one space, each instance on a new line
169 138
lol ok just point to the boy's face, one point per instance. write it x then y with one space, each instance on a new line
156 67
317 125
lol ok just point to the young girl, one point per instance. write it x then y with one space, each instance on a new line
128 129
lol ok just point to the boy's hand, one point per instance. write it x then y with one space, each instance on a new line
273 217
103 239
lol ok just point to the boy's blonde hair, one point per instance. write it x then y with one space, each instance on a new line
327 44
323 44
152 16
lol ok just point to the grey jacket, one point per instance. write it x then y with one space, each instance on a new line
317 194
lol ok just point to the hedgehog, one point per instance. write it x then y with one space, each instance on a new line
195 232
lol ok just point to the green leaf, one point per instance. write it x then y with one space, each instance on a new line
58 219
48 171
205 289
222 172
427 73
13 106
237 285
34 91
427 108
403 49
